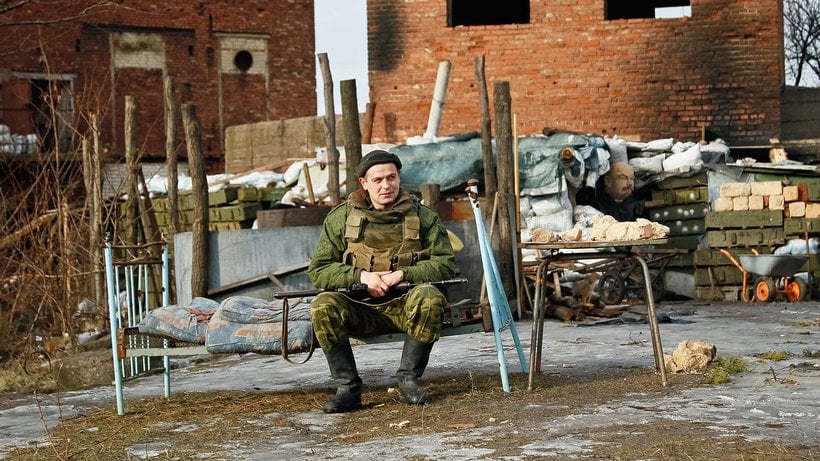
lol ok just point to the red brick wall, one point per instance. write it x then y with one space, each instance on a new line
570 69
190 32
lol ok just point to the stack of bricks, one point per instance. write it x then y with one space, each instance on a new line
745 217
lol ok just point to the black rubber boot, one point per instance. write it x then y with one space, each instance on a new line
342 366
414 358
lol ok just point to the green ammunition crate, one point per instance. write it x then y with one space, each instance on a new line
718 275
744 219
222 196
720 293
160 204
798 226
694 210
746 237
682 242
677 182
682 196
685 227
709 257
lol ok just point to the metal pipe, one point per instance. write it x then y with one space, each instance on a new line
113 316
439 95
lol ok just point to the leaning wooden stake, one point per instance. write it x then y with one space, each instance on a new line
131 204
171 167
490 184
199 186
330 131
505 174
353 135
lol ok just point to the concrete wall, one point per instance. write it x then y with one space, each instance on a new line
571 69
276 142
243 254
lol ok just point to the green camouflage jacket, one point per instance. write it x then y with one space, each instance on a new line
327 270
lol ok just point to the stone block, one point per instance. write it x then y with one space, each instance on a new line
755 202
735 189
724 204
740 203
766 188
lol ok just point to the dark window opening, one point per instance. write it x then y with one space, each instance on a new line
243 60
52 113
487 12
632 9
190 50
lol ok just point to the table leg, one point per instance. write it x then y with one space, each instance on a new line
537 324
655 332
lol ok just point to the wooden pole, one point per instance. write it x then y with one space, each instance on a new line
517 249
330 130
431 194
505 176
308 183
171 164
97 220
131 204
199 186
490 184
353 135
369 116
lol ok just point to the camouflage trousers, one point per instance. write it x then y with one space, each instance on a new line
418 313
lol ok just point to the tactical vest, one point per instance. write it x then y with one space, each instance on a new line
377 246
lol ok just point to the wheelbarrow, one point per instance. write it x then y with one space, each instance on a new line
775 275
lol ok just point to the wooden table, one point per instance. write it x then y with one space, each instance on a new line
557 252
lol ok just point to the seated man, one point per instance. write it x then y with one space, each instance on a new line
380 236
613 194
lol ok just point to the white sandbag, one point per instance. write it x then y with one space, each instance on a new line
659 145
546 204
617 149
321 154
679 147
293 172
651 165
683 160
718 146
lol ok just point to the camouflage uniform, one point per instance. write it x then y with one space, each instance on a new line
409 237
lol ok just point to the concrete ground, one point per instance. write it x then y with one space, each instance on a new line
776 401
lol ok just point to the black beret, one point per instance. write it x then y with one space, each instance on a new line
374 158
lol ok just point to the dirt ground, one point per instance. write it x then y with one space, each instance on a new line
215 425
591 401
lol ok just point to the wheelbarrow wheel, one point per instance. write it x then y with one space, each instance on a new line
611 288
765 289
797 290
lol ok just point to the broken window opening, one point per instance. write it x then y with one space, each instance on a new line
487 12
651 9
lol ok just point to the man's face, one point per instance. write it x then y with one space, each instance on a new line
382 184
620 181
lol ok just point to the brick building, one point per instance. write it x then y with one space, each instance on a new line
237 61
601 66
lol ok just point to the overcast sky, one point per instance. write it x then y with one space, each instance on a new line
341 32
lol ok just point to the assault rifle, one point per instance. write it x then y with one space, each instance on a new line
360 289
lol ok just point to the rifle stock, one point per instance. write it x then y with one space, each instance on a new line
361 288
